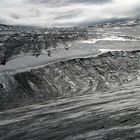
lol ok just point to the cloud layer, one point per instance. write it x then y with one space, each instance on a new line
65 12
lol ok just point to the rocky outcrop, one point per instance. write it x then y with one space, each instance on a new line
69 78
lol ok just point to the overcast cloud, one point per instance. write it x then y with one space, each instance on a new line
65 12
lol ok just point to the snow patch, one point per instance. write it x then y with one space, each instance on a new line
111 38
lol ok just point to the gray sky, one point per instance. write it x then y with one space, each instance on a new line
65 12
